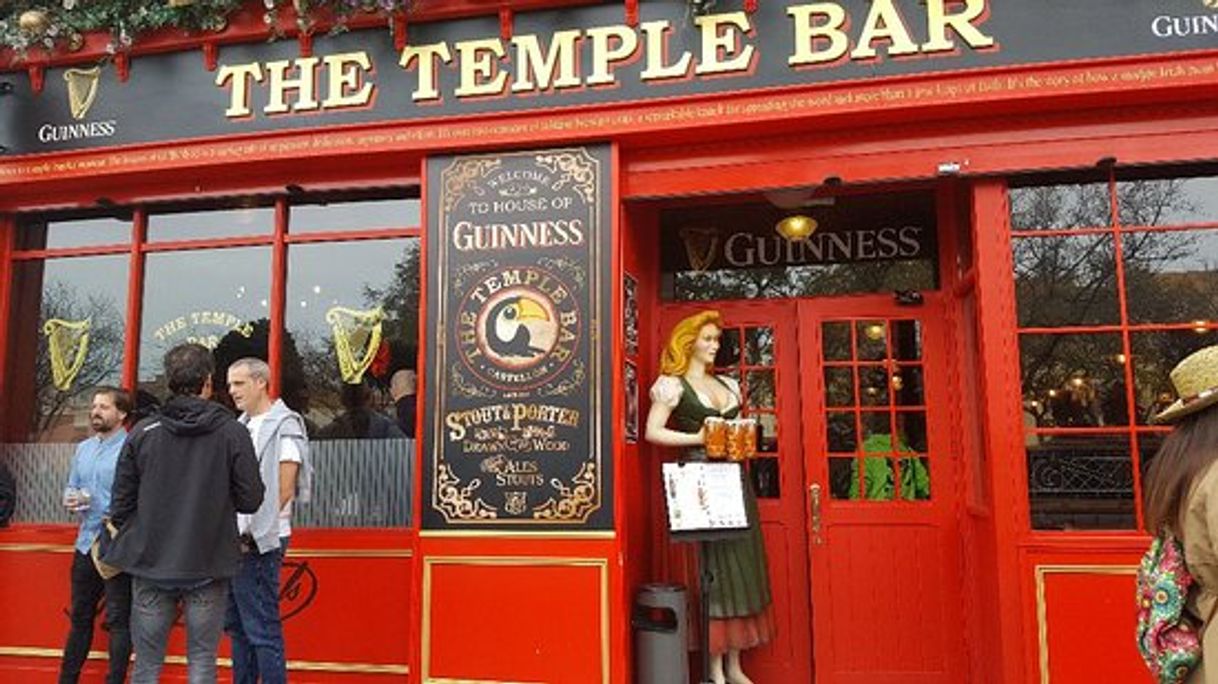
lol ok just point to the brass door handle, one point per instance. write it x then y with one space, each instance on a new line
814 503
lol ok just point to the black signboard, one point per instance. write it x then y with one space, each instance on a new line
844 229
590 55
520 405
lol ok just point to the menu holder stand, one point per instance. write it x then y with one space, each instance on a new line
705 502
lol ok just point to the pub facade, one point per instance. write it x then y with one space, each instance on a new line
956 246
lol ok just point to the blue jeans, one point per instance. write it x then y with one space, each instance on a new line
153 611
252 621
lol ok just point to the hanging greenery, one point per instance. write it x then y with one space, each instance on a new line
60 25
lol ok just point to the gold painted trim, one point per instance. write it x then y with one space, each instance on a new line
38 548
350 553
292 553
1042 610
296 665
539 561
517 534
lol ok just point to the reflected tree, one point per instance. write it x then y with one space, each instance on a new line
103 358
1071 280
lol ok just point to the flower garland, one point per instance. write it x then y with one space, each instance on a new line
60 25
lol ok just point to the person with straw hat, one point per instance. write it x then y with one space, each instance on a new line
1181 492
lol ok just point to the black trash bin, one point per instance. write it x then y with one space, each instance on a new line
660 634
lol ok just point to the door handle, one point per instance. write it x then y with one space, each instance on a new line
814 504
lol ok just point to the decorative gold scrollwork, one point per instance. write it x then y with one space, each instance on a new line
577 502
463 173
68 343
357 337
576 167
457 502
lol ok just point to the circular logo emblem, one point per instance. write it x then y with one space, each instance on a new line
518 328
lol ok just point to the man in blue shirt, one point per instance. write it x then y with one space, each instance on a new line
88 495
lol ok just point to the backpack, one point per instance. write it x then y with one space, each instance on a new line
1169 638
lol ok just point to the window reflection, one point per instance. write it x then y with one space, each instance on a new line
1059 207
217 297
212 223
66 335
349 366
1074 380
1154 355
39 233
1065 281
1170 276
1081 482
355 215
1165 201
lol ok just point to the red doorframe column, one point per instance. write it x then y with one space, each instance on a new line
999 368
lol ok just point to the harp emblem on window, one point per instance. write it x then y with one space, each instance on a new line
357 337
82 90
700 246
68 343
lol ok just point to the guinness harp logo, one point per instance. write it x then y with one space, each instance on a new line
357 336
67 342
1212 4
82 90
700 246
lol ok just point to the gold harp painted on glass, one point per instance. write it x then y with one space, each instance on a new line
82 90
357 337
67 344
700 246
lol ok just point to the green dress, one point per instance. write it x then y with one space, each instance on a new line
741 584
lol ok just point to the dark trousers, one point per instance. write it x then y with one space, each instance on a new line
87 590
253 623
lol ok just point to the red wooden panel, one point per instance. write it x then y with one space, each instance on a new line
320 599
515 619
1088 625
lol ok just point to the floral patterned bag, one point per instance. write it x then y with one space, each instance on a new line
1169 638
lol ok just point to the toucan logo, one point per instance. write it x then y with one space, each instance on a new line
518 328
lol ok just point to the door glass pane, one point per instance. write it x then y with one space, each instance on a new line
842 476
728 356
759 346
872 340
839 386
835 341
764 474
225 308
906 340
767 424
1058 207
906 384
1166 201
760 389
1154 355
873 385
349 366
911 427
842 433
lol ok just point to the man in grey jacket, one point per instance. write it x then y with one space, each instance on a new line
282 448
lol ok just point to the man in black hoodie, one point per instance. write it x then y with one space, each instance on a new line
181 478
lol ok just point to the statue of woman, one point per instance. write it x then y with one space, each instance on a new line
686 394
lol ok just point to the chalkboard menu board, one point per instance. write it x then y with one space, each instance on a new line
519 399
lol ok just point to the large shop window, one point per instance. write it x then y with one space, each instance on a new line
799 243
344 305
1115 274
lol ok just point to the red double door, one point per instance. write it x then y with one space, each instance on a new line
856 479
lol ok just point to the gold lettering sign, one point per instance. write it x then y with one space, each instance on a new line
68 343
357 336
